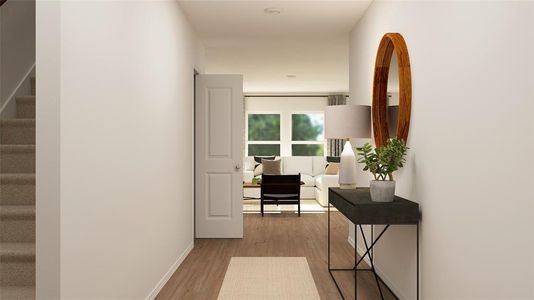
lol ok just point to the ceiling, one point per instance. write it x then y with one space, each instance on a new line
308 39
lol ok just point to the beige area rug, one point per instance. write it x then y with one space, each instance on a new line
268 278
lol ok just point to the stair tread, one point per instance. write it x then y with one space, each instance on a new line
17 250
17 292
17 122
17 212
17 177
26 98
17 148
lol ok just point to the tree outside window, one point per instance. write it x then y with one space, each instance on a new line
307 134
263 134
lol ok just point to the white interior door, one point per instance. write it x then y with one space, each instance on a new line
219 155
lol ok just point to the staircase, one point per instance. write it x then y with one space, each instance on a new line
17 201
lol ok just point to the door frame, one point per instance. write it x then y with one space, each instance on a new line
194 156
194 142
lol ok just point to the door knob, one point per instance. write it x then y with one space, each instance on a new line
237 167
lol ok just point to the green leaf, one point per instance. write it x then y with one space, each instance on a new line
383 161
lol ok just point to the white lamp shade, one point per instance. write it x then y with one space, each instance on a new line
347 121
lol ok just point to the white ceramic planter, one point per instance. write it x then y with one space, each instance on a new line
382 190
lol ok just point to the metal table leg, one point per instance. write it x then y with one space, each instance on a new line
371 261
356 260
369 252
355 263
417 276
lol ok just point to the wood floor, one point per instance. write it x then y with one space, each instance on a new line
201 274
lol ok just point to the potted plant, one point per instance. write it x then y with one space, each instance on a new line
382 162
256 180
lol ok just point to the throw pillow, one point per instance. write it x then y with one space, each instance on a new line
271 167
332 169
258 170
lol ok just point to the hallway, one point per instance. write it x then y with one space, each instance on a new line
201 274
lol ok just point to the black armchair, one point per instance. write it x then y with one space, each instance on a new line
280 189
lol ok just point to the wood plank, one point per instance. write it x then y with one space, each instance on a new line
201 274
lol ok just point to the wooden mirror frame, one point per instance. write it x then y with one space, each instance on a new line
391 42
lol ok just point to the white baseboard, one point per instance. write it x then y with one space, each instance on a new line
169 273
394 288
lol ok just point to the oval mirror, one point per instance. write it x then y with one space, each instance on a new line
393 97
392 90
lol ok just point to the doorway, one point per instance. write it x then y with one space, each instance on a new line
218 156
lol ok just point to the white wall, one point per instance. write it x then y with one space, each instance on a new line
471 140
17 51
48 208
125 147
285 106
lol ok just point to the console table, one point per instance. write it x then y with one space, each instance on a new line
356 205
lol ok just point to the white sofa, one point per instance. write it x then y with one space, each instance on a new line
311 169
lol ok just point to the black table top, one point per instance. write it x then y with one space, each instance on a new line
357 206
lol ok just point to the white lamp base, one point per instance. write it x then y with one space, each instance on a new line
347 168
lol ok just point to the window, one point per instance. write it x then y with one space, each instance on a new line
307 134
263 149
307 149
285 133
263 134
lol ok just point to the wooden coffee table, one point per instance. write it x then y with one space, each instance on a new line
250 185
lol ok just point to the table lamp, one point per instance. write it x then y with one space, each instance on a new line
345 122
